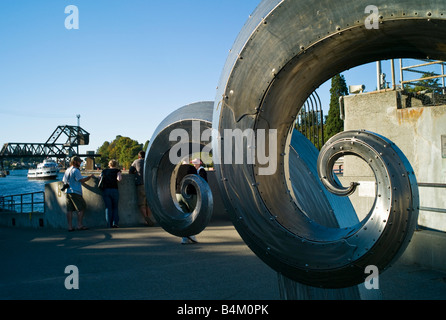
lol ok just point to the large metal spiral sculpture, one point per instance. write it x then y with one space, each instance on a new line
283 198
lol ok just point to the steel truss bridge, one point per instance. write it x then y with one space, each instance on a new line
76 136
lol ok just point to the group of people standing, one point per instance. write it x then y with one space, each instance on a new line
108 182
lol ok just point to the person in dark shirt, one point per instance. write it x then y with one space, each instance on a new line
110 193
201 171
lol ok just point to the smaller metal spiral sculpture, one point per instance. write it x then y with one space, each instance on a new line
160 172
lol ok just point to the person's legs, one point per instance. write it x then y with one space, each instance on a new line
146 213
70 209
80 206
108 206
143 207
115 202
141 195
70 220
80 218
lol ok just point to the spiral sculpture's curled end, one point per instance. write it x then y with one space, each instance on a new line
202 205
388 228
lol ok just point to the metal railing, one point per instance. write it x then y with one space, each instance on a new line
432 185
414 69
310 120
24 203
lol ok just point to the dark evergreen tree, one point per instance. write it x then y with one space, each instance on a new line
334 124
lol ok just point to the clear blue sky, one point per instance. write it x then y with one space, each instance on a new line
130 64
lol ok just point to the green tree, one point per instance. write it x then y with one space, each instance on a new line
146 145
104 151
334 124
127 151
122 149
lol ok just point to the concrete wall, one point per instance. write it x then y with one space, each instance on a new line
55 207
35 220
417 131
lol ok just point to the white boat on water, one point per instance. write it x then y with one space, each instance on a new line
47 170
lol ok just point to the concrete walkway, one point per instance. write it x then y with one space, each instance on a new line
148 263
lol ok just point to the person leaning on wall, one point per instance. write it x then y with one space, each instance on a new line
72 181
110 193
137 168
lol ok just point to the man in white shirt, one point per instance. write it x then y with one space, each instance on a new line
75 201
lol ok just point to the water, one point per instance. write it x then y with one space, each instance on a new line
17 183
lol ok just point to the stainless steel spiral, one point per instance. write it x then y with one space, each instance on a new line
161 166
295 216
285 51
